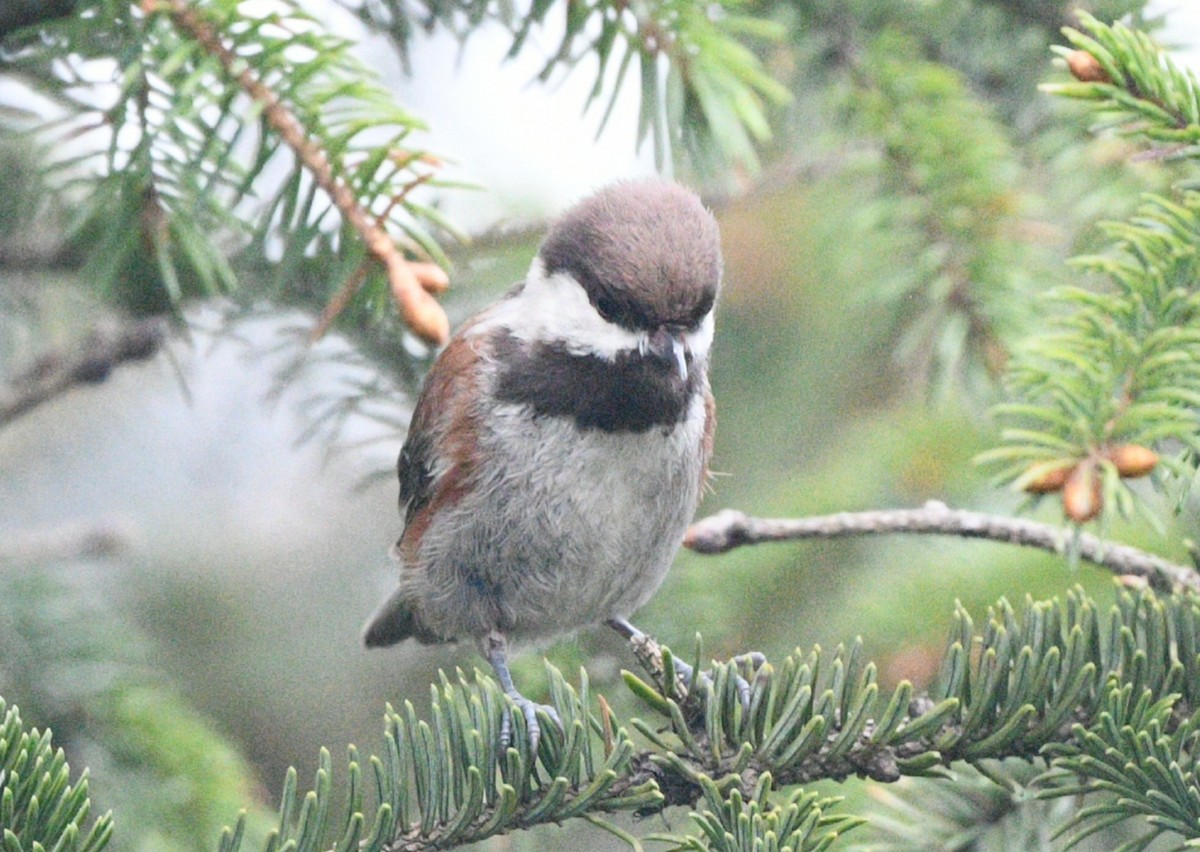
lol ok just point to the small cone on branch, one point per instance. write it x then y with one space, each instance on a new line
426 317
1082 496
431 277
1131 460
411 285
1086 68
1050 481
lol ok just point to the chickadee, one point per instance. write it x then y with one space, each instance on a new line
561 441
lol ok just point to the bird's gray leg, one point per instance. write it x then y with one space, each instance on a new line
685 671
495 649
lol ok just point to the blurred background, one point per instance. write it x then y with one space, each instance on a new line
189 548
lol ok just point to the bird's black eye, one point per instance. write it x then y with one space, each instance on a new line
607 306
703 307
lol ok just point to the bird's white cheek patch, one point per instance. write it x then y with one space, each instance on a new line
700 341
555 308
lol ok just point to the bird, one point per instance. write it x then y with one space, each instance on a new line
560 443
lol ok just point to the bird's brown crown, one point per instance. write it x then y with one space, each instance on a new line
647 253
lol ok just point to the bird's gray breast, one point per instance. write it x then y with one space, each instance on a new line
591 519
564 524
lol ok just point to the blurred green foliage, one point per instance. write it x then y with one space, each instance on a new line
82 670
917 193
39 806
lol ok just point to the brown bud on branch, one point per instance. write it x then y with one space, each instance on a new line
1131 460
1051 479
1082 497
1086 68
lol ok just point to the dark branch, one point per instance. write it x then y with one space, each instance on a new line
65 542
15 14
57 371
729 529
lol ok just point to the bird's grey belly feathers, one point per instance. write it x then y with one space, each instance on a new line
585 537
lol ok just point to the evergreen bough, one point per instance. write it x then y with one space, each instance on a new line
1108 698
1116 375
170 177
41 810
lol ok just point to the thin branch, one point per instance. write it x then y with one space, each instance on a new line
729 529
15 14
56 372
420 310
65 542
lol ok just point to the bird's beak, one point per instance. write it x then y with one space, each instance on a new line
669 346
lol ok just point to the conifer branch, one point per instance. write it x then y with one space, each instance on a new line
947 175
703 90
411 291
1060 679
91 362
1111 389
1142 89
729 529
15 14
40 807
64 542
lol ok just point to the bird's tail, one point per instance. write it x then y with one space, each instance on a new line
393 622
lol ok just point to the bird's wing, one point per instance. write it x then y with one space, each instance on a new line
434 462
706 442
441 450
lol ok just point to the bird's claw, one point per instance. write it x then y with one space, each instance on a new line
687 674
753 659
533 728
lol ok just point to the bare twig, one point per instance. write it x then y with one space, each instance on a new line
56 372
729 529
15 14
421 311
64 542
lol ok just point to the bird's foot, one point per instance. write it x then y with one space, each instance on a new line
650 653
495 648
529 712
753 659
